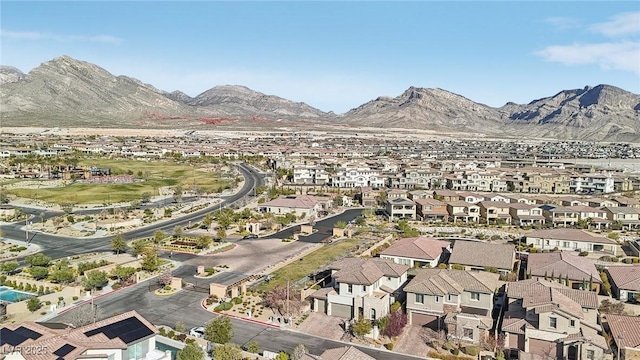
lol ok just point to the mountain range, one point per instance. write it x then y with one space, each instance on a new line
65 92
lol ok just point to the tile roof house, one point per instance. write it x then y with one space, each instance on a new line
576 272
301 205
625 282
545 319
625 334
400 208
559 215
463 211
457 301
360 286
431 210
494 212
525 214
629 217
572 240
417 251
341 353
476 255
125 336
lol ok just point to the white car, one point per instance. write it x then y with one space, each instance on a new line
197 332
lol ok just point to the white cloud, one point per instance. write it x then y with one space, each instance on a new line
619 25
609 55
34 35
563 23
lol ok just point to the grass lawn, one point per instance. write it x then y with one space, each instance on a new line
156 174
309 264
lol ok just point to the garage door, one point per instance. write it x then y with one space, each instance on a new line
341 310
322 306
430 321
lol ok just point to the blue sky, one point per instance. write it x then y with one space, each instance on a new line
338 55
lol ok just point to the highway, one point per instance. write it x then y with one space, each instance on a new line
62 246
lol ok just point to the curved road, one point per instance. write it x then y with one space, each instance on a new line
62 246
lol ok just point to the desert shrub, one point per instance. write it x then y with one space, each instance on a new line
583 253
394 307
471 350
237 300
223 307
389 346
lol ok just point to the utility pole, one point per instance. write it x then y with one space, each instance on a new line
26 227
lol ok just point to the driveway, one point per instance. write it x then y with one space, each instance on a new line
413 341
318 324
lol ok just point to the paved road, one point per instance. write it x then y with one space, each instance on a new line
185 306
324 227
62 246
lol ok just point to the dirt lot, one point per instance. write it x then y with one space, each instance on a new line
412 341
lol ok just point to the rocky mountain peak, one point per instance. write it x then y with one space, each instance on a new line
9 74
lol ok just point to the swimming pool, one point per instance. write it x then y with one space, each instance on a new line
11 295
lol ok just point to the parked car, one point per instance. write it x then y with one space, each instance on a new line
197 332
250 236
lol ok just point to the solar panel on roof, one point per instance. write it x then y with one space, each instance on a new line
17 336
127 330
64 350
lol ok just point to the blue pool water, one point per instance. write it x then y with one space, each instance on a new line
10 295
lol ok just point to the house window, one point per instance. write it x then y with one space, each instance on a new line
364 288
449 298
572 323
467 333
475 296
349 288
565 244
419 299
373 314
553 323
437 299
591 354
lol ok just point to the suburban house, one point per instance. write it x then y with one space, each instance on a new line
625 335
625 282
431 210
628 202
417 251
470 197
546 320
597 202
369 197
572 240
559 215
627 216
494 212
361 286
457 301
476 255
573 201
575 272
341 353
463 211
593 217
300 205
445 195
400 208
121 337
525 215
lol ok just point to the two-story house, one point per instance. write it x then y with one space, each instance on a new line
417 252
627 216
431 210
400 208
559 216
525 215
625 282
550 321
124 336
361 287
494 212
456 301
463 211
478 256
595 218
470 197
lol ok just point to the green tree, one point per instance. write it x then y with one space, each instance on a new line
253 346
95 280
62 272
227 352
203 241
150 260
9 267
221 233
282 356
145 197
139 247
123 273
192 351
118 244
38 260
39 272
298 352
207 220
341 224
33 304
362 327
158 237
178 190
219 330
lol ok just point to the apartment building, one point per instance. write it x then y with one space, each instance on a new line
354 176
